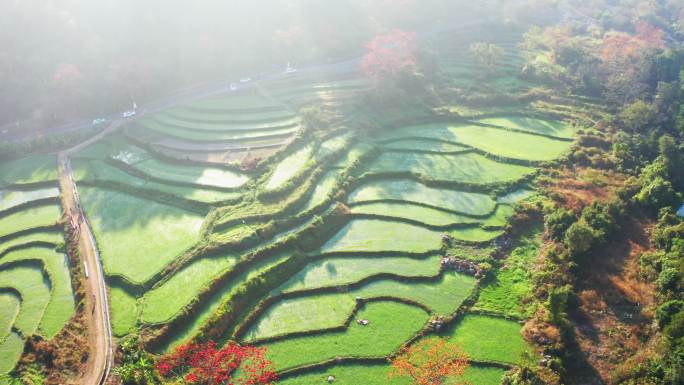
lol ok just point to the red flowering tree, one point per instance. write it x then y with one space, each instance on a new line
430 362
205 364
624 47
390 54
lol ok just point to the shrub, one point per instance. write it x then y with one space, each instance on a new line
579 239
559 221
667 310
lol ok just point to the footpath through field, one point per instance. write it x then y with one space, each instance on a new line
100 353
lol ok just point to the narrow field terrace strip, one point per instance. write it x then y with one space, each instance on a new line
34 288
464 168
137 237
13 198
96 171
432 145
124 311
391 324
53 237
322 311
165 301
541 126
510 144
207 176
29 218
289 167
415 192
10 304
426 215
34 169
346 270
372 235
489 339
377 374
495 141
61 306
10 351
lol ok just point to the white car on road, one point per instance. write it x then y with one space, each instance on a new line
128 114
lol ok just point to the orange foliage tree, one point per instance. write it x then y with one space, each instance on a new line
430 362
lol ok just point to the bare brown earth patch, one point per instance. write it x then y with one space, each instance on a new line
613 315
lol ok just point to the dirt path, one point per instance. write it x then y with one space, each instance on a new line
97 305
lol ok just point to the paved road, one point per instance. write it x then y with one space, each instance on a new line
97 306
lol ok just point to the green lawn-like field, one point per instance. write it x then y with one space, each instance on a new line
163 302
211 132
368 235
198 119
515 196
34 289
426 215
10 351
345 270
124 311
332 145
474 234
391 324
489 339
323 311
511 284
211 305
137 237
423 145
547 127
289 167
10 304
232 103
323 189
510 144
32 217
414 192
356 374
353 155
500 216
61 305
465 168
39 168
12 198
54 237
207 176
99 171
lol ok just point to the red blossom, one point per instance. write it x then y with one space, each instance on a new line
205 364
390 54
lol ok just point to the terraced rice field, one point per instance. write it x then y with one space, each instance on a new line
129 232
442 296
289 167
467 168
26 171
210 128
369 235
36 295
383 335
198 245
41 216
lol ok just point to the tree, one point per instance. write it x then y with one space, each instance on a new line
487 55
579 238
137 367
638 116
389 55
430 362
205 364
